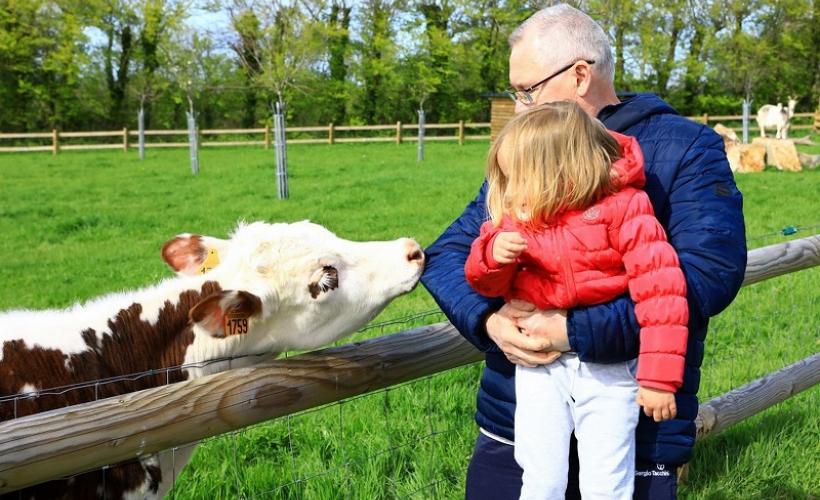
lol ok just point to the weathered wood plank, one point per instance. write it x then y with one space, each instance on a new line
84 437
782 258
738 404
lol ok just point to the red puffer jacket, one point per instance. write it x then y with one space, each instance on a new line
590 256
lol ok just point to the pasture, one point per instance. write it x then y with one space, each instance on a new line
82 224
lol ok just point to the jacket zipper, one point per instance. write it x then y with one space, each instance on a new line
563 255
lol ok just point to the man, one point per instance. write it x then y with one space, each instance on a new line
561 54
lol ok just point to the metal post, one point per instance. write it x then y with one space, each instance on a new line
192 142
280 150
421 136
747 105
141 126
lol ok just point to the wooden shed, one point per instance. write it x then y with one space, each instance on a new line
502 108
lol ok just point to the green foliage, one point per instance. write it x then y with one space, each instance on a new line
74 64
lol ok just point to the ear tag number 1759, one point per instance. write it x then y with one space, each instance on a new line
235 325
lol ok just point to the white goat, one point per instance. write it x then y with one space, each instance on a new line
777 117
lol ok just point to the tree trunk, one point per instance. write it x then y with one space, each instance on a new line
691 80
666 67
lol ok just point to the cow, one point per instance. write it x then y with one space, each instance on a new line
267 289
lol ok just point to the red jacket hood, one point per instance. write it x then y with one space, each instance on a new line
629 167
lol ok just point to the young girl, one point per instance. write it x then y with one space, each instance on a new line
570 226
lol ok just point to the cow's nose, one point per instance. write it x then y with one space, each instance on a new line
413 252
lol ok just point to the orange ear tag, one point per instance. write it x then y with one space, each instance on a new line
211 261
235 324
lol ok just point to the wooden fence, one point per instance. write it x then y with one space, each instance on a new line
329 135
812 124
62 442
251 136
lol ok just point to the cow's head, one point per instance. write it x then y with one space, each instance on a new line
293 286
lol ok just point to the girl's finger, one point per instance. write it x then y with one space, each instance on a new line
658 415
666 414
521 305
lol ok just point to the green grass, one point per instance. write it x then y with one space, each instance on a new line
82 224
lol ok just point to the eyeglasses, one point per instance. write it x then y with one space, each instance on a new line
525 95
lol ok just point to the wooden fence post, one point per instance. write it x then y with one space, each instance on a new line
331 136
125 139
398 132
461 132
267 136
705 118
55 144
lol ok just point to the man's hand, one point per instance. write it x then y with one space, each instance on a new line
657 404
549 324
522 349
507 246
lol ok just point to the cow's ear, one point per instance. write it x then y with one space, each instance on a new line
226 313
192 254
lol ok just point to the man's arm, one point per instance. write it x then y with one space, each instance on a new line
444 275
706 229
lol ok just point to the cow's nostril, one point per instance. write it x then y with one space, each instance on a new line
414 255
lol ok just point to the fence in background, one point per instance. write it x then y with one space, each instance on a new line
330 134
63 442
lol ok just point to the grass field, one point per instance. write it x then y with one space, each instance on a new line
82 224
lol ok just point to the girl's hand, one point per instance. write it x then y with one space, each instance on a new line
507 246
657 404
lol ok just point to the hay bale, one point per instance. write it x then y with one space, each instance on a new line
746 158
781 153
729 135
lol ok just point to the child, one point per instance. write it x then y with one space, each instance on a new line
571 227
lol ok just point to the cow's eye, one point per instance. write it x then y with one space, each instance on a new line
323 280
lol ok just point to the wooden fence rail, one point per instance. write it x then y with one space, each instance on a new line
84 437
813 124
265 137
330 134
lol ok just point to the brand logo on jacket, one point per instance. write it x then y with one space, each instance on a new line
592 214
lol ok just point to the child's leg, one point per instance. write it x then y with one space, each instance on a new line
606 415
543 424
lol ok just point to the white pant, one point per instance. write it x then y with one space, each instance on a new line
595 400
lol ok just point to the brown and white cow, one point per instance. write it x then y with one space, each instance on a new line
267 289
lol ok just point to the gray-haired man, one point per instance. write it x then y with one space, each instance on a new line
561 54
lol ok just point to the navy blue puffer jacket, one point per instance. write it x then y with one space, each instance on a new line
695 199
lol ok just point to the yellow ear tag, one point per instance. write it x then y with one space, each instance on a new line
211 261
235 324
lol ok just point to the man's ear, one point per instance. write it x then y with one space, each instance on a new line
192 254
226 313
583 79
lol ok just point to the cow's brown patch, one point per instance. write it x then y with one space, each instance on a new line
185 254
130 346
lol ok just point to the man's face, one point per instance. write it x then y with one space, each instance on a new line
527 69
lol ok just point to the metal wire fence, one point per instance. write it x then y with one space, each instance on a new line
414 440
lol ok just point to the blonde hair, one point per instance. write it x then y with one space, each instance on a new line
557 158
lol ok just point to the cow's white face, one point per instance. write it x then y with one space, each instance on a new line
293 286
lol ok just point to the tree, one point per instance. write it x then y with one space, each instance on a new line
248 33
118 22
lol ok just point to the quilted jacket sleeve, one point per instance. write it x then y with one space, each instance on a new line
658 288
704 224
444 276
484 274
